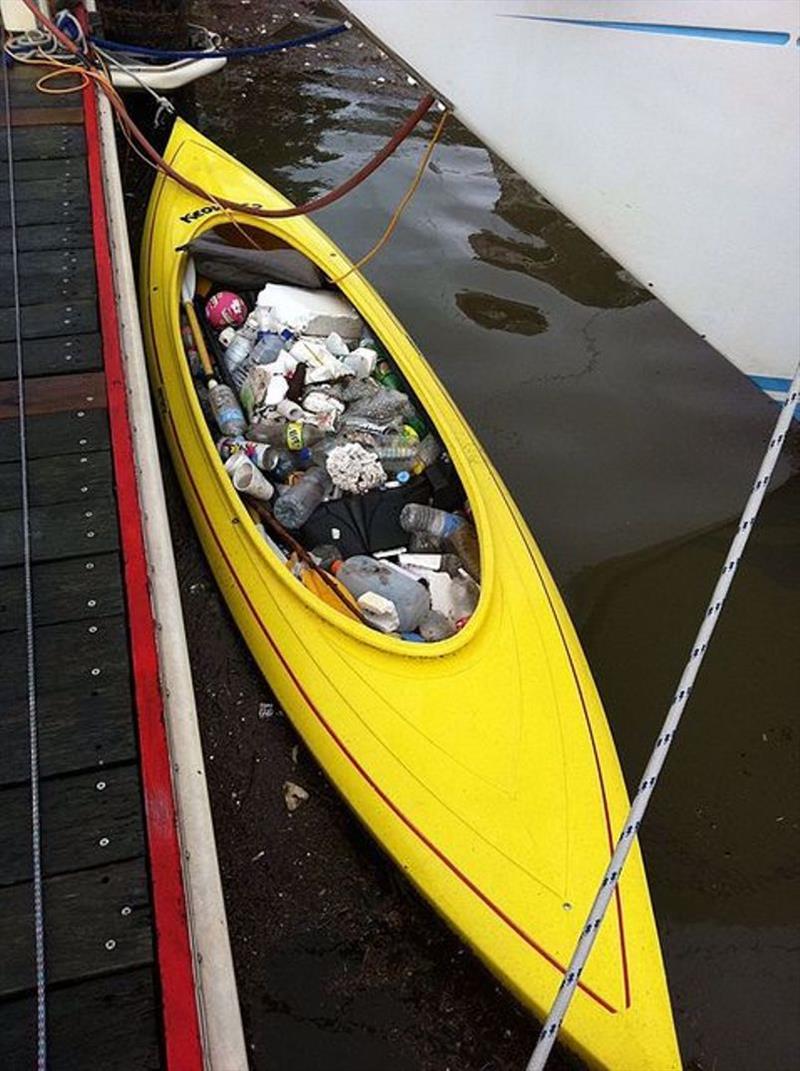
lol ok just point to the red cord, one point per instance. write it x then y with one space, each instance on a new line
260 213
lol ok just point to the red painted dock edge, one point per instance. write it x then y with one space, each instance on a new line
182 1043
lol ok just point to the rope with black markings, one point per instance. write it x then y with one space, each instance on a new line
666 737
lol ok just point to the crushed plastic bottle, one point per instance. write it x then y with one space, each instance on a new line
296 505
435 626
385 406
361 574
458 534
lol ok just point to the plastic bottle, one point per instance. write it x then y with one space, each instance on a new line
458 534
386 376
394 452
296 505
435 626
226 409
294 435
236 356
382 407
270 344
361 574
427 451
189 348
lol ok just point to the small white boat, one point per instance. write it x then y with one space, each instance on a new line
131 72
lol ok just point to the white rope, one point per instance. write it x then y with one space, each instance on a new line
33 730
666 737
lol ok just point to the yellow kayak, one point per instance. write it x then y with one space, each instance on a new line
482 763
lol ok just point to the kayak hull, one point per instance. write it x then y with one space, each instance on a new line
483 764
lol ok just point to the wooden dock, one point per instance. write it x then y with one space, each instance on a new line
84 764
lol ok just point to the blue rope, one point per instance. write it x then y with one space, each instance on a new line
228 53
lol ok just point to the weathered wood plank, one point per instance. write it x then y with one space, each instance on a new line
44 275
62 590
79 393
87 820
67 655
87 933
52 143
32 170
52 480
70 235
52 356
28 117
101 1024
56 433
45 188
55 210
52 318
79 729
68 530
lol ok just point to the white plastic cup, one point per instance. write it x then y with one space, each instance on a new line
247 478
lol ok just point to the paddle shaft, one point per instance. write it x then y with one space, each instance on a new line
199 341
269 518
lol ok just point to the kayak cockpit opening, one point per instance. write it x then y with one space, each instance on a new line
338 464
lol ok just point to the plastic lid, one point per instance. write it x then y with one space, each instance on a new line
403 477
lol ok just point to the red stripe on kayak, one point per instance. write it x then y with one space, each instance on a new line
180 1020
357 765
606 811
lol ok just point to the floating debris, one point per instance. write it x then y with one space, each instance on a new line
294 795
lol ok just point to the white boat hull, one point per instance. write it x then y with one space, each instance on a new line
670 135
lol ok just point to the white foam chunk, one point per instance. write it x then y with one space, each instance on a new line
311 312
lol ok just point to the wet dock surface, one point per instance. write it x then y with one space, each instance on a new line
101 989
630 446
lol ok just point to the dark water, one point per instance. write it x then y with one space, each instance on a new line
630 446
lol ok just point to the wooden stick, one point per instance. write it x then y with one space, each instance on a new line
268 517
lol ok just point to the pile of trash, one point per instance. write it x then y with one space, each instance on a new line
336 461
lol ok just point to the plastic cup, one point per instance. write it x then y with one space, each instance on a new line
247 478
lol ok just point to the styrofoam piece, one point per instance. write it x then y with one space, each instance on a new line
311 312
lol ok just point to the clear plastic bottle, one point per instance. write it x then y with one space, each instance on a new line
296 505
226 409
457 533
394 452
236 357
426 453
412 601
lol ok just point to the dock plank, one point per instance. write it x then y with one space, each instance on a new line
79 729
62 591
51 318
87 820
52 480
79 393
84 914
52 356
105 1024
52 434
93 656
63 531
69 235
52 143
65 274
